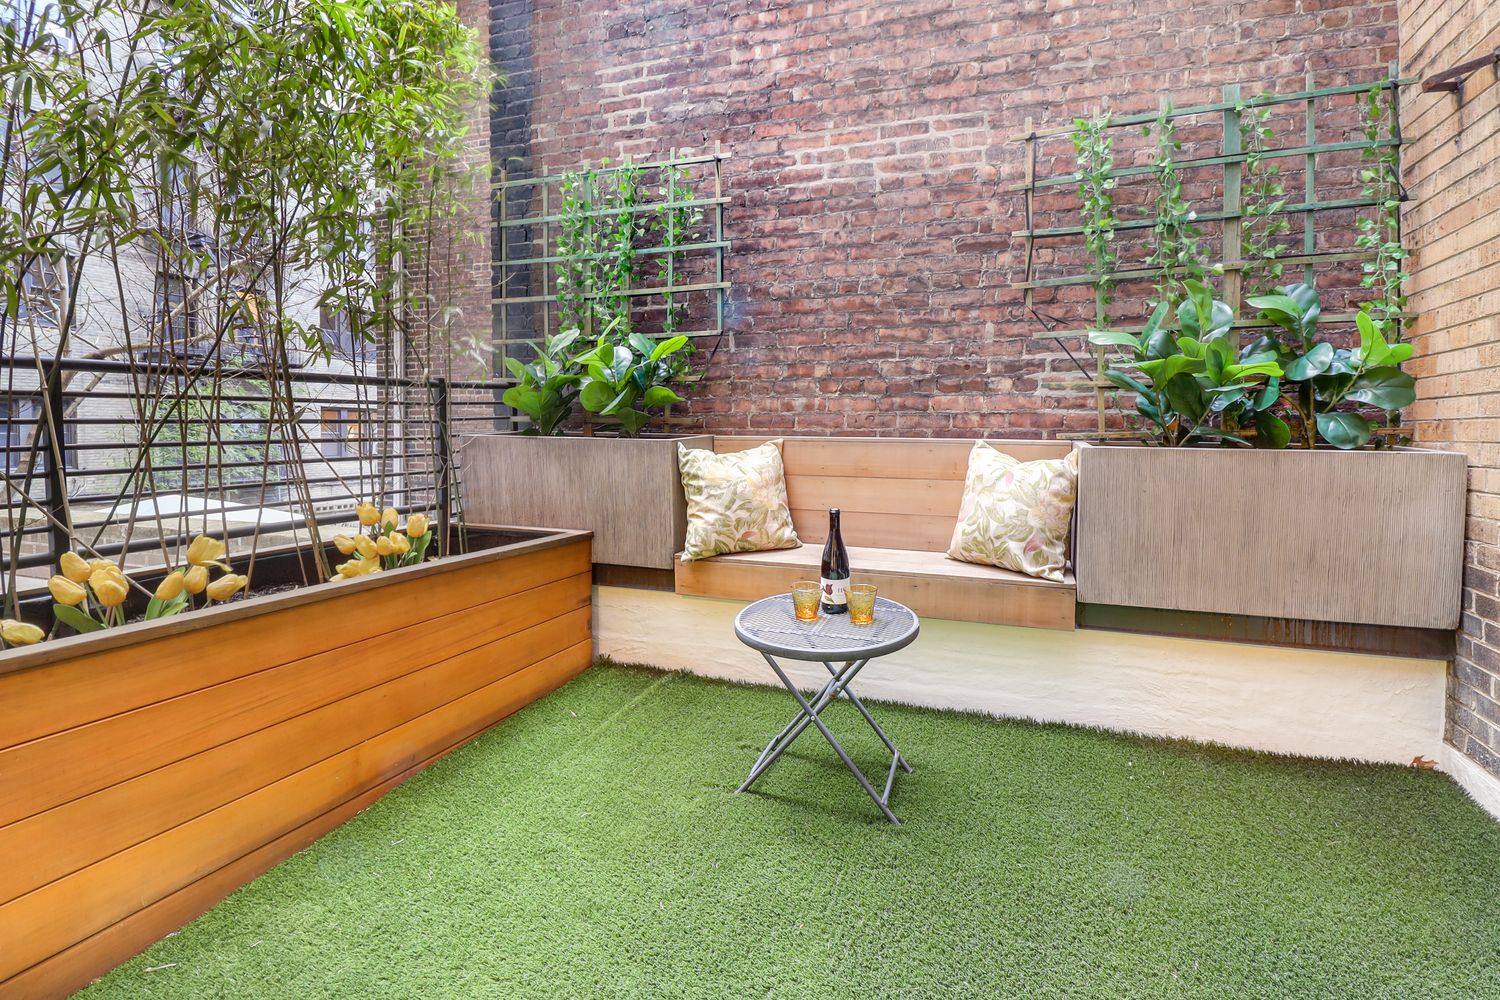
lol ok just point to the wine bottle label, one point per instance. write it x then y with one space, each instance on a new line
835 591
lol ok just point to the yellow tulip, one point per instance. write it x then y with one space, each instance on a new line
74 567
206 551
102 565
108 590
196 579
384 546
416 525
344 544
171 586
358 567
368 513
226 586
400 544
366 547
389 518
65 591
20 633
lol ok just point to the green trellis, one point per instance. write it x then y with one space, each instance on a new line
528 240
1230 214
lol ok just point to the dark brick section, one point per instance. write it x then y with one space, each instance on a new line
510 142
870 165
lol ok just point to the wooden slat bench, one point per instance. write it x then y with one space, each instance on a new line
900 499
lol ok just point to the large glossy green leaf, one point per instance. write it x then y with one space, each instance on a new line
596 396
1390 389
1314 362
1344 430
1124 381
1271 431
1162 371
643 344
658 396
1186 397
1114 338
1156 339
669 346
1269 394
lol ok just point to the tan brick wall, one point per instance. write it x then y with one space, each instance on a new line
1452 170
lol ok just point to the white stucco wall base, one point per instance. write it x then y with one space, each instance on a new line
1483 787
1294 701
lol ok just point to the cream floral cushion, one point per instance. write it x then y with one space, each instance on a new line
1015 515
735 502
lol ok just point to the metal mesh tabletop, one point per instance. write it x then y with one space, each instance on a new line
771 626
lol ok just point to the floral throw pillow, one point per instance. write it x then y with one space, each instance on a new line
1015 514
735 502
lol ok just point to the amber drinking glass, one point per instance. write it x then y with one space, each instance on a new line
861 603
805 599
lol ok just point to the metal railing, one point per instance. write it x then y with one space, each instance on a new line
155 452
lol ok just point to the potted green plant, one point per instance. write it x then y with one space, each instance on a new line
546 476
1333 530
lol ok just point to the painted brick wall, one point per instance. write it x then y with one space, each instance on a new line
1453 227
871 221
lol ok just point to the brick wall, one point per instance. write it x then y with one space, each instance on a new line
871 220
1452 223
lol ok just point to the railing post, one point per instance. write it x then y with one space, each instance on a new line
442 420
53 439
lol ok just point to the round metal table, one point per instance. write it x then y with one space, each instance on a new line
771 627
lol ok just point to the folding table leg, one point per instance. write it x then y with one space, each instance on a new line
800 721
849 693
841 681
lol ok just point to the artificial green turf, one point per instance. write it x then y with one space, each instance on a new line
592 846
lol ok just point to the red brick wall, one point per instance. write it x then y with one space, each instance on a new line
1453 229
871 224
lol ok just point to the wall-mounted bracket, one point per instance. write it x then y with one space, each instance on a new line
1452 80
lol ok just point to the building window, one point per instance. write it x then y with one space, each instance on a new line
339 335
347 433
41 297
18 417
178 318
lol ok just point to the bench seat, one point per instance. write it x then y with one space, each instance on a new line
929 583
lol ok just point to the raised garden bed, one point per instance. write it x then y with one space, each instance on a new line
627 491
148 771
1373 537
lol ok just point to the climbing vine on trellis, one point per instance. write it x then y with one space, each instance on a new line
1094 148
1380 233
1177 252
1262 204
1241 241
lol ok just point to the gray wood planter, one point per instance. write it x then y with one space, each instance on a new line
627 491
1373 537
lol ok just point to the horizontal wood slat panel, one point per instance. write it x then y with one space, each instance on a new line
929 532
73 968
42 701
893 458
60 914
640 520
51 844
1391 554
907 497
1002 600
56 769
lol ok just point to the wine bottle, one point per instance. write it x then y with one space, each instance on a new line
835 571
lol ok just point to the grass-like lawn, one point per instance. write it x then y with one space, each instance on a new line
591 846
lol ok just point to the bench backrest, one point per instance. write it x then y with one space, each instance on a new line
895 493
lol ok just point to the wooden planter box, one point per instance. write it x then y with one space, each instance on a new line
148 771
1373 537
627 491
